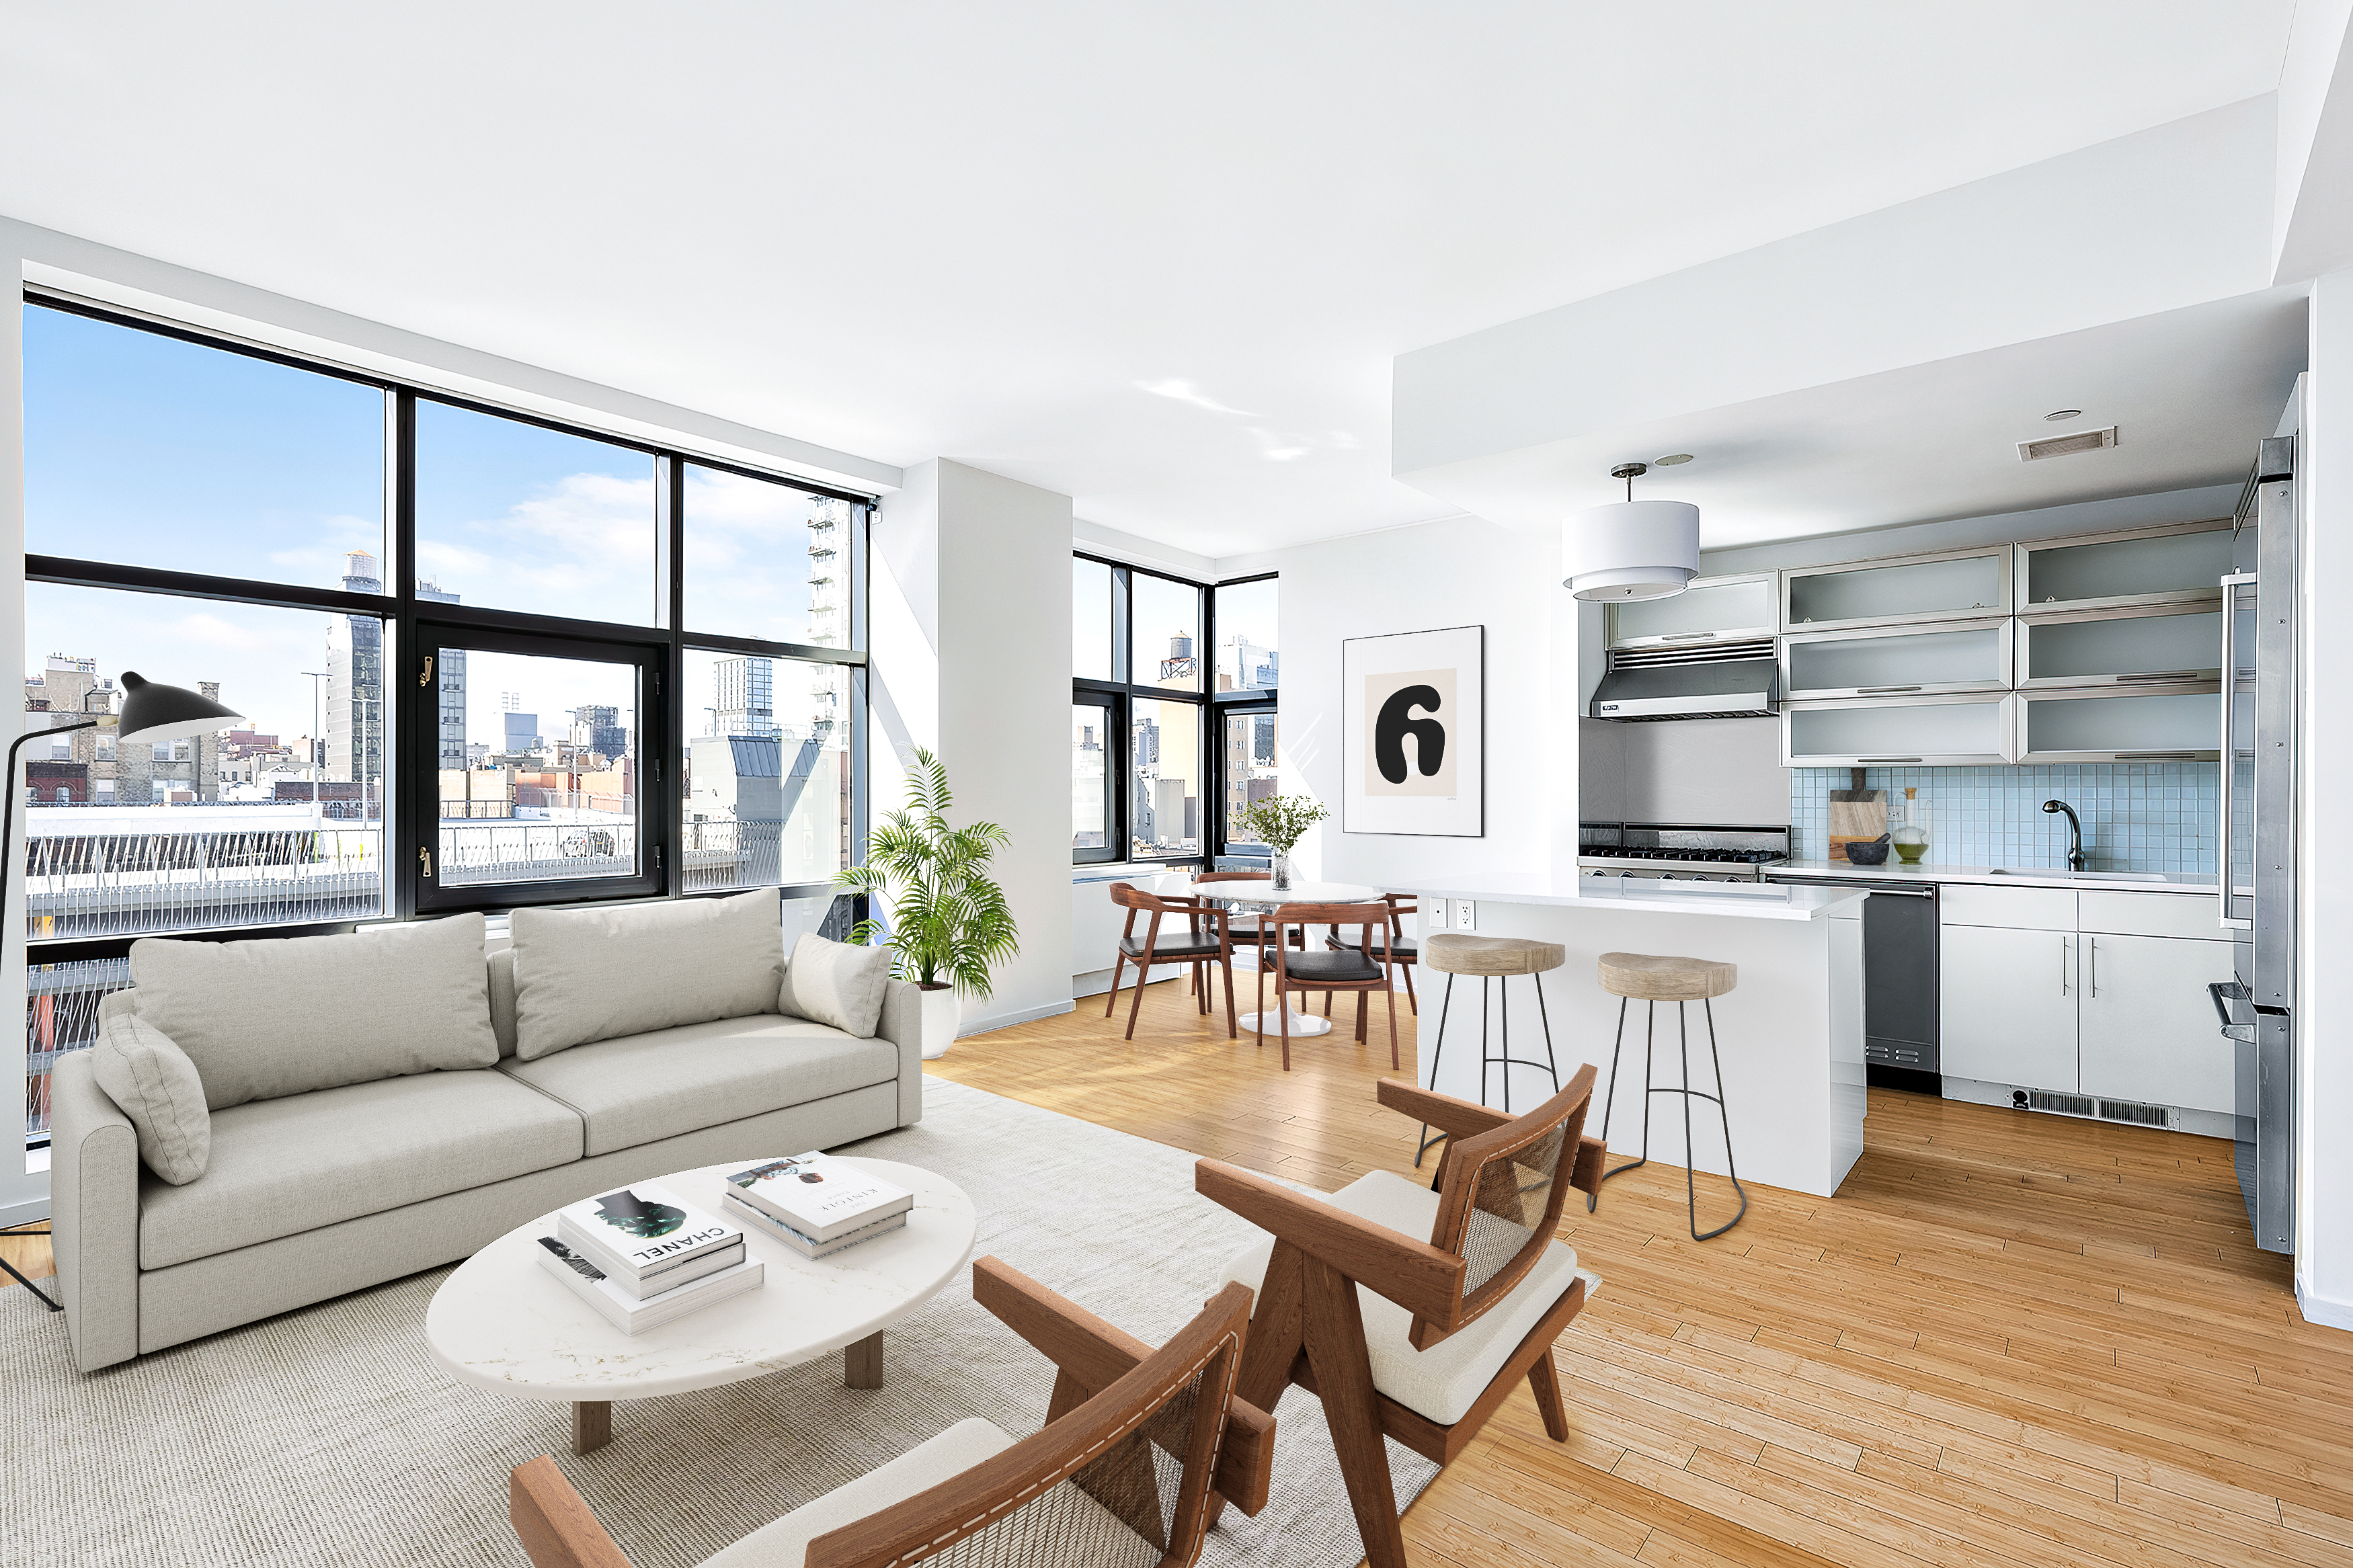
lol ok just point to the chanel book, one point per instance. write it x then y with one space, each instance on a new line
819 1196
644 1232
626 1311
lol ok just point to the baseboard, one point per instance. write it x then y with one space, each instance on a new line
27 1211
2327 1314
1027 1016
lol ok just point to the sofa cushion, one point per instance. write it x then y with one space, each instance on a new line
660 1085
281 1167
836 982
602 973
267 1018
154 1084
1444 1380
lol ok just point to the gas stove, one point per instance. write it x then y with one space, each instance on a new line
1679 851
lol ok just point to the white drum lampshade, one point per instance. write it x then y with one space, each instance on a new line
1631 549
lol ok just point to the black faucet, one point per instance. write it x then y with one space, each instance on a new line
2076 859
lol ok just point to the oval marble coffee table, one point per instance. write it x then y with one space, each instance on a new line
503 1322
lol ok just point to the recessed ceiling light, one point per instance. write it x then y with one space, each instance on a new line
2058 414
1669 462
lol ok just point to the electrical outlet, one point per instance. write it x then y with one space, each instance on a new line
1465 915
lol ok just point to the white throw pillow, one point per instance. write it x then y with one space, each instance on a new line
837 983
598 975
268 1018
157 1087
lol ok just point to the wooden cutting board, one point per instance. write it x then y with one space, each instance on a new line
1856 814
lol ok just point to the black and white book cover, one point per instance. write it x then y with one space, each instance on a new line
643 1230
769 1225
819 1196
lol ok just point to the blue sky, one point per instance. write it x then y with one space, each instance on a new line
150 451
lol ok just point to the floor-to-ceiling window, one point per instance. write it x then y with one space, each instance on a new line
484 659
1172 713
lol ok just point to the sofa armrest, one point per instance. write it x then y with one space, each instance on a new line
93 1214
902 1025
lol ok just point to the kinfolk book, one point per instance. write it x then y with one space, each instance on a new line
643 1231
627 1313
819 1196
769 1225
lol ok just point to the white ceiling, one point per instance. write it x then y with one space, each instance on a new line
1157 259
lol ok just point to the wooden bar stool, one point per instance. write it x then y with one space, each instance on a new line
1496 958
1640 977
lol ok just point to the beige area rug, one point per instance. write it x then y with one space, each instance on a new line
328 1436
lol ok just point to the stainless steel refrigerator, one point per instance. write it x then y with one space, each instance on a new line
2257 850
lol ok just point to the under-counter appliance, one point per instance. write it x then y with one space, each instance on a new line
1901 965
2257 835
1680 851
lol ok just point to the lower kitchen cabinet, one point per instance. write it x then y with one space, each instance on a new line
2147 1031
2008 1011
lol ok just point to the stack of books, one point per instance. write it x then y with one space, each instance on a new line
817 1205
643 1258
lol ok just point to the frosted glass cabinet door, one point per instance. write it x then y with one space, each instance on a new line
1924 731
2182 562
1896 592
2119 647
1727 609
2173 723
1967 656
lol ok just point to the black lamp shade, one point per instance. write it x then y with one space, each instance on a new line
153 712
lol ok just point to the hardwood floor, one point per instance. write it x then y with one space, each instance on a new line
2009 1340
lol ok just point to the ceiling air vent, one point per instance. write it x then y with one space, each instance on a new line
2060 446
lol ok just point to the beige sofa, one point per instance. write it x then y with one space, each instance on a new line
309 1195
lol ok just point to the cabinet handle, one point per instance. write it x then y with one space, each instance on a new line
2161 674
2094 988
1887 759
2064 957
1875 690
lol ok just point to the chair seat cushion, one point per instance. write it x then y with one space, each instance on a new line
1443 1382
281 1167
1182 943
1345 966
1402 949
659 1084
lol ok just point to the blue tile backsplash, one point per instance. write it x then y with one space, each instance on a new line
2137 817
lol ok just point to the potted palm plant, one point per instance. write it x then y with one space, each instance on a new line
1278 822
949 919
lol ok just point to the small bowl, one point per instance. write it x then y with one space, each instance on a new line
1867 854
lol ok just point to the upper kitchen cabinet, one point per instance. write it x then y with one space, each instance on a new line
1886 731
2119 647
1967 656
1955 585
1724 609
2182 563
2172 723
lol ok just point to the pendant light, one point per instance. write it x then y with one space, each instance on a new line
1630 549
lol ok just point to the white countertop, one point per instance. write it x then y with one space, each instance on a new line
1739 900
2019 877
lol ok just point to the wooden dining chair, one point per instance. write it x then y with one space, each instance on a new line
1362 967
1193 946
1141 1449
1405 951
1419 1339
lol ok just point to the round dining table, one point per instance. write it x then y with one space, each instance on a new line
1264 898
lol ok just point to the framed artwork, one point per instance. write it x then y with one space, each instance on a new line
1413 738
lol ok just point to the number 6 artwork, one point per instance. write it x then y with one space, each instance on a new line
1413 746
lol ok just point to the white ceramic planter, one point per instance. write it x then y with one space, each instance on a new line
943 1016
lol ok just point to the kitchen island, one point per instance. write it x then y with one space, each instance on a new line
1790 1035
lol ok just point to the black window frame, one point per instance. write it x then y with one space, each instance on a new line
412 752
1117 696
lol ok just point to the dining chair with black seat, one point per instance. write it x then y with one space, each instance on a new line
1140 1449
1194 945
1405 951
1412 1313
1362 967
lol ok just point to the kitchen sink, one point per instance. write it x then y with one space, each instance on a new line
2079 876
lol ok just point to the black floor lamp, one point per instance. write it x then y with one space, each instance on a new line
149 713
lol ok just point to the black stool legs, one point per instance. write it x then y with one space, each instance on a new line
1691 1180
1487 1062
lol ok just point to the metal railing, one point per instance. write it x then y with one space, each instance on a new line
121 884
61 1015
527 851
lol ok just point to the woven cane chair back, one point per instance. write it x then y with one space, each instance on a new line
1123 1482
1501 1195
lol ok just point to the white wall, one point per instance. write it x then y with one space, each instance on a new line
2324 1006
2312 224
971 640
24 1193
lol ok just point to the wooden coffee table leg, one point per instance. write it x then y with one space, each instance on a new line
591 1425
861 1363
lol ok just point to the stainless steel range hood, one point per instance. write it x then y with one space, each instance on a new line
1732 680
